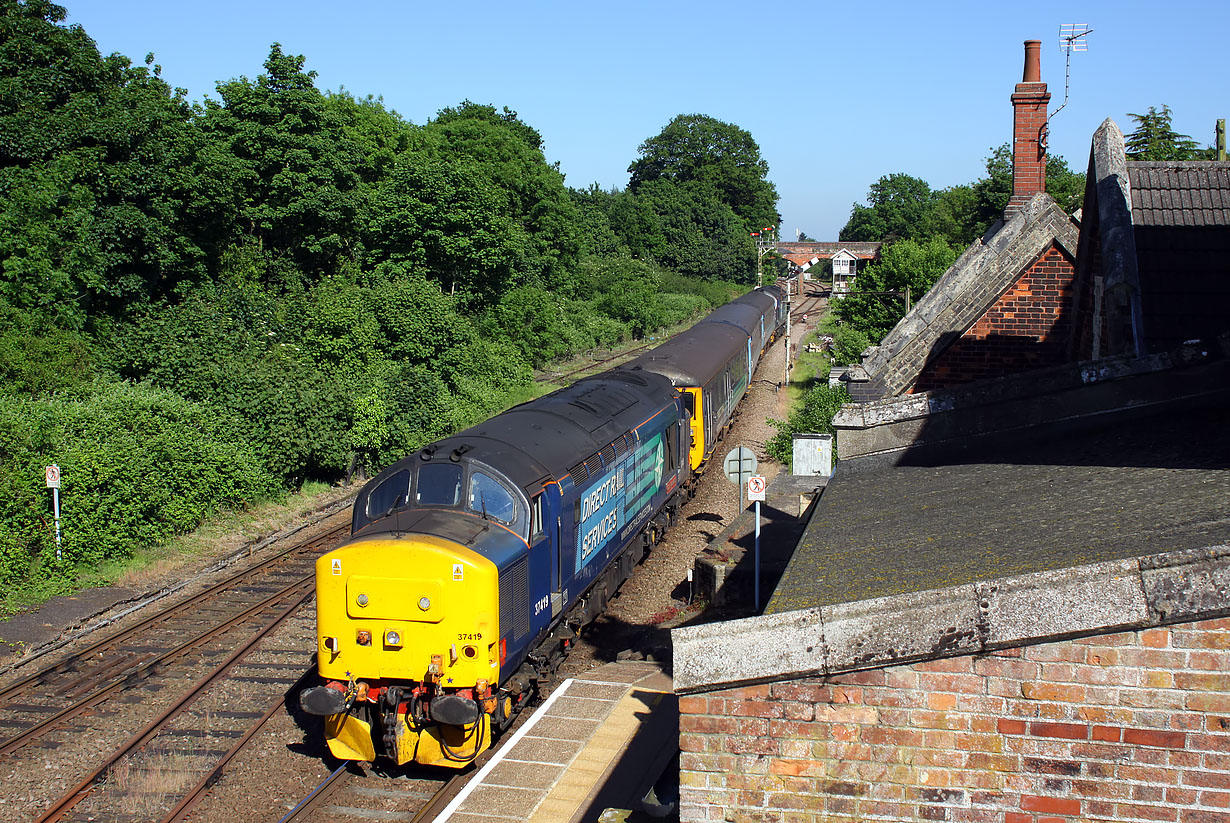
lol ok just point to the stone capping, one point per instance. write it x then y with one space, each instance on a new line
1001 389
970 285
1121 280
1043 607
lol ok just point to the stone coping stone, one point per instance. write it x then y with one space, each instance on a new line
1041 607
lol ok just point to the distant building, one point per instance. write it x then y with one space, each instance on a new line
845 268
808 257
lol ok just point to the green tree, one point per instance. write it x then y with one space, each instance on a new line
507 155
694 148
991 193
1154 138
107 195
594 206
900 207
442 217
686 228
300 162
906 264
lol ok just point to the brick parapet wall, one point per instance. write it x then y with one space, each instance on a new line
1131 726
1030 326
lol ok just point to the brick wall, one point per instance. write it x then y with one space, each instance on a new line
1132 726
1030 326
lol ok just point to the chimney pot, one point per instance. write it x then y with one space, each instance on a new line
1032 73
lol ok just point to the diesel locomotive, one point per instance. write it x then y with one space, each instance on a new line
473 563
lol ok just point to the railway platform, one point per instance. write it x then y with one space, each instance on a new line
590 752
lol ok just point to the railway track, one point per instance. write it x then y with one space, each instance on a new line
158 708
598 364
352 792
35 703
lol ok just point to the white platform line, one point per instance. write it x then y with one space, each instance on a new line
477 779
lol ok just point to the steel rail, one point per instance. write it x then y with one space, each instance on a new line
193 797
83 789
441 798
317 796
40 676
145 669
627 355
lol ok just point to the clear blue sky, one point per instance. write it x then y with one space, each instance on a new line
836 94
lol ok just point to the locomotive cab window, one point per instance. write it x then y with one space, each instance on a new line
488 497
536 516
393 493
439 485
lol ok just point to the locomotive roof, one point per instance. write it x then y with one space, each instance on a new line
693 357
551 434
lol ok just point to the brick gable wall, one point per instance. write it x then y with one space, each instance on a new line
1032 325
1131 726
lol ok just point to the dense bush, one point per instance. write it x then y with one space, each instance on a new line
531 320
813 416
138 465
231 349
848 345
37 358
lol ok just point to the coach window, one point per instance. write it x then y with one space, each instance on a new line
489 498
439 484
393 493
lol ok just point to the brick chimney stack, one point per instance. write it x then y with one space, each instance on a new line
1029 101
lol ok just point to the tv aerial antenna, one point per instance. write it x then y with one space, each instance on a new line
1071 38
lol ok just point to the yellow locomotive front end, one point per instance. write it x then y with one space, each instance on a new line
408 648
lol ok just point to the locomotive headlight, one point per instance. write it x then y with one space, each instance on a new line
361 600
392 638
424 603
